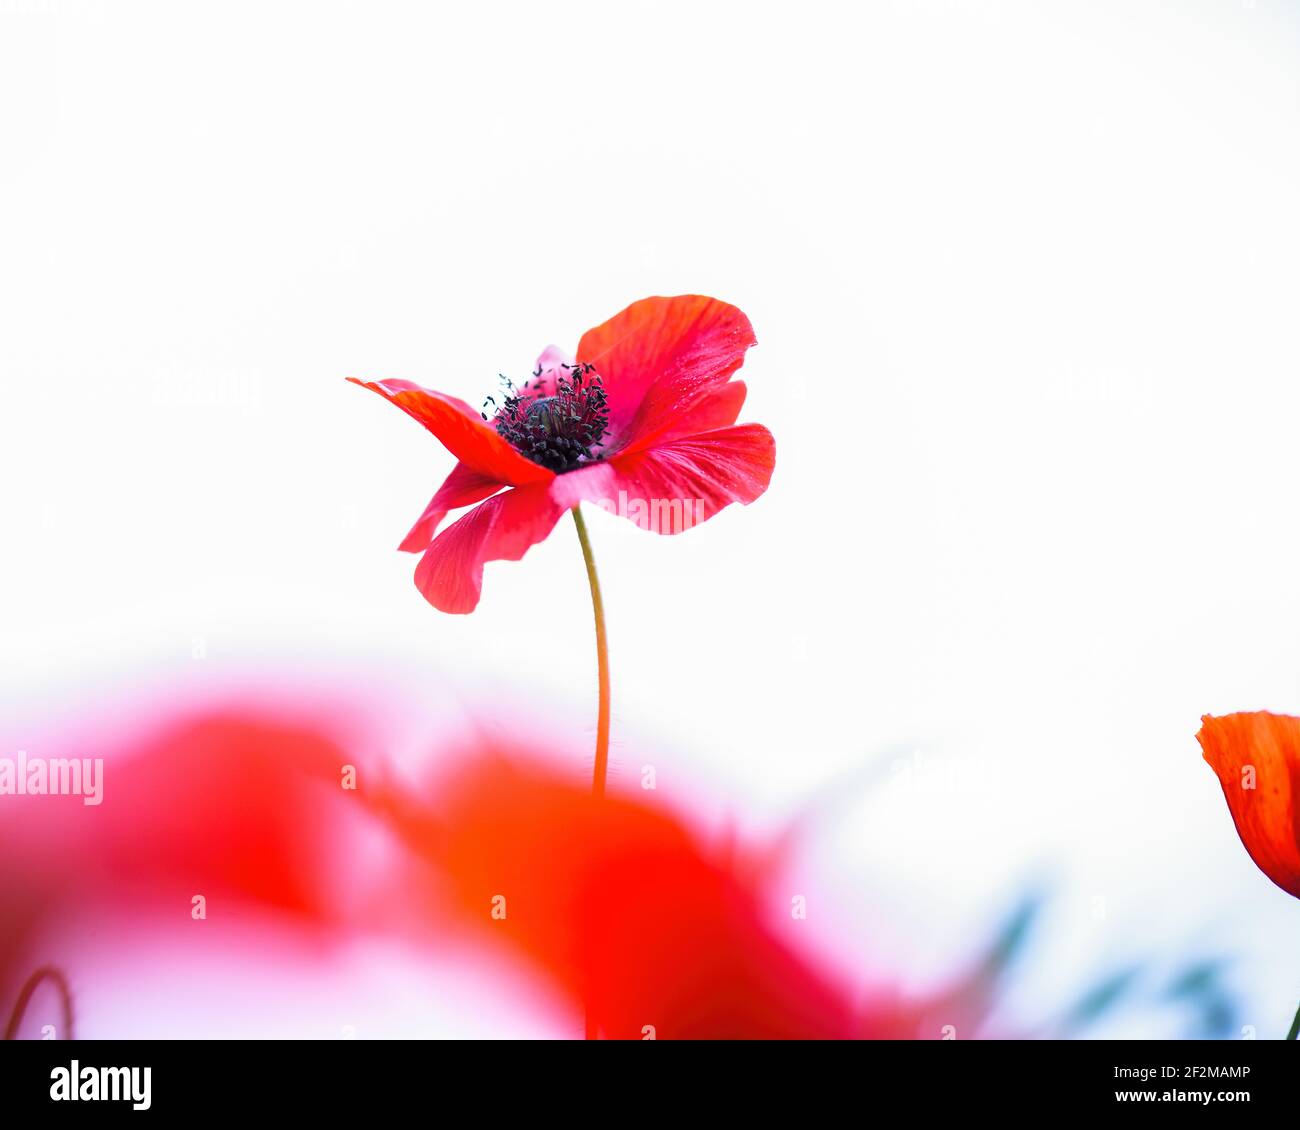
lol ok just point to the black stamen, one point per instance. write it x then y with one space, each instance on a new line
562 430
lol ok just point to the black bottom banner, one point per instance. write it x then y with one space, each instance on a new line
339 1078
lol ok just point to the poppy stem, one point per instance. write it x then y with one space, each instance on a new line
55 976
592 1025
602 661
1295 1026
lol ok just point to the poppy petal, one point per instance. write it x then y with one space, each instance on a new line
678 484
715 410
553 364
463 487
615 884
1257 760
504 528
462 432
659 357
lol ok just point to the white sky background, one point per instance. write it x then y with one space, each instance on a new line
1024 282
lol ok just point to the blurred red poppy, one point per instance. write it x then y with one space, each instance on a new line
641 423
625 908
1257 759
621 905
237 804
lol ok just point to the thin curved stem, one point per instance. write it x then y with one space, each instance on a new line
592 1030
602 661
55 977
1295 1026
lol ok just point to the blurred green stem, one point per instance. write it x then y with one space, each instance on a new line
60 983
1295 1026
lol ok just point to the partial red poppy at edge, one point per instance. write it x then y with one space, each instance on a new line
1257 759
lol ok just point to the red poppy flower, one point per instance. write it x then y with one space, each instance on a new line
627 909
1257 759
642 423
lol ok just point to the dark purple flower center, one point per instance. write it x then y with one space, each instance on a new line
559 427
